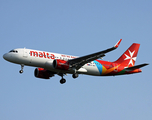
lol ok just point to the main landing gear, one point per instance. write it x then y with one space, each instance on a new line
62 81
22 66
75 75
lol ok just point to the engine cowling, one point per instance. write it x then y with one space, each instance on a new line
61 64
42 73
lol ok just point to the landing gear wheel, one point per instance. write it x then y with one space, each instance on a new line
22 66
75 75
62 81
21 71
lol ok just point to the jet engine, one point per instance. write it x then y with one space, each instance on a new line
61 64
42 73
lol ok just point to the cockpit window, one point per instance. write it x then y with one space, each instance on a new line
15 51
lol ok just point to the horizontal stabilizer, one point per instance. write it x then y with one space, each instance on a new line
136 67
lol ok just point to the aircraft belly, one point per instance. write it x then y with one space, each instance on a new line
92 70
37 62
49 65
96 69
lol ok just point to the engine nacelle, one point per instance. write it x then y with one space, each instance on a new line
42 73
61 64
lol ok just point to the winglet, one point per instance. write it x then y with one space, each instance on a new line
117 44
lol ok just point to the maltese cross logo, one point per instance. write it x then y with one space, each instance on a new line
132 59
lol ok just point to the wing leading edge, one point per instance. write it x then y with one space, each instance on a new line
80 61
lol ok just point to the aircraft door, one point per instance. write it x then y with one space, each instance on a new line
25 53
27 60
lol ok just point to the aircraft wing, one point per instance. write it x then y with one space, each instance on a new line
136 67
80 61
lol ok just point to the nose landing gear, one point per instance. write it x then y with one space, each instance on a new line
22 66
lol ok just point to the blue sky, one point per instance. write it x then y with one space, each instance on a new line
77 27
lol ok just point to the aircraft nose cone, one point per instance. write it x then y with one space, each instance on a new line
5 56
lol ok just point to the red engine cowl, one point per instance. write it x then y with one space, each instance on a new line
41 73
61 64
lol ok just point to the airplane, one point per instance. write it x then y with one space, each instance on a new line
48 63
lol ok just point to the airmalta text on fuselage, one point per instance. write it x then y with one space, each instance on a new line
42 54
46 55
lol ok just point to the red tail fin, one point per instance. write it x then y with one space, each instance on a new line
129 57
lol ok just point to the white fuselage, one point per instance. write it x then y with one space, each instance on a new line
45 60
